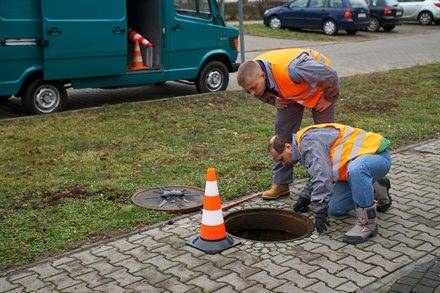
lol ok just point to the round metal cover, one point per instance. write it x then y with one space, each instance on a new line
174 198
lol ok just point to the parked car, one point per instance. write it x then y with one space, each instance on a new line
328 15
384 13
424 11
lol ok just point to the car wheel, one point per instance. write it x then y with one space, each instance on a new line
388 28
373 25
329 27
43 97
275 22
425 18
351 32
214 77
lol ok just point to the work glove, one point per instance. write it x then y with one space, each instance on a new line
302 205
321 222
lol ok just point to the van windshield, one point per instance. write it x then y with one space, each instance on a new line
358 4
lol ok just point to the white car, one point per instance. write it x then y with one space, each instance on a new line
424 11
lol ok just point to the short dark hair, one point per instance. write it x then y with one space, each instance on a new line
278 142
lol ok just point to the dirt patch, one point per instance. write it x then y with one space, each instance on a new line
45 200
373 106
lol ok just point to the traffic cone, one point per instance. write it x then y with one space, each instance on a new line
137 63
135 37
213 237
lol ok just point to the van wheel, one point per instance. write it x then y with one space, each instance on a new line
329 27
44 97
425 17
214 77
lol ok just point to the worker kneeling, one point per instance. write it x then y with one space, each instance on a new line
347 168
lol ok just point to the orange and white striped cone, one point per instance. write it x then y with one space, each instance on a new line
137 63
213 237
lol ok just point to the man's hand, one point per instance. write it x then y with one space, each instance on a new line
322 104
321 222
281 103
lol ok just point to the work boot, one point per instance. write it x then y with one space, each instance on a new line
302 204
382 194
365 226
276 191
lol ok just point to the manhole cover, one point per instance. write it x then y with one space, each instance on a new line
175 198
267 224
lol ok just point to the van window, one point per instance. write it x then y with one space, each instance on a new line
197 8
358 4
335 4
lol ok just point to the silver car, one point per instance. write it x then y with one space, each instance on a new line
424 11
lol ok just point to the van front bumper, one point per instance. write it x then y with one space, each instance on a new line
235 67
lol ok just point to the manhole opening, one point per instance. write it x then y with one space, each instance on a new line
267 224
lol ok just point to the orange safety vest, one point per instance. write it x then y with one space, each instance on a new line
351 143
302 92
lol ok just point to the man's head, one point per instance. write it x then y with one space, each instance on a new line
251 78
280 148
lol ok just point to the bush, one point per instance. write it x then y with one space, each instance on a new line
251 10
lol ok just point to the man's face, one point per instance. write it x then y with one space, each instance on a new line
257 86
285 157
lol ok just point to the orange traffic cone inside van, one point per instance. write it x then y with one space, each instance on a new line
137 63
213 237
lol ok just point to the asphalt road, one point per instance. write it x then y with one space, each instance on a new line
407 45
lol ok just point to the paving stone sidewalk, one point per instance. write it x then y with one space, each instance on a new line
157 259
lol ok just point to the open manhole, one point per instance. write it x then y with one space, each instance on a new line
174 198
266 224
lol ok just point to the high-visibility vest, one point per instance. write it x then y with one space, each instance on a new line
351 143
302 92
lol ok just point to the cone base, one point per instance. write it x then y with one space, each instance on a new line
213 247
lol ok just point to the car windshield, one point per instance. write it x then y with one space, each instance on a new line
358 4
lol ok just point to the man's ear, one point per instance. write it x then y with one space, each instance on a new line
287 146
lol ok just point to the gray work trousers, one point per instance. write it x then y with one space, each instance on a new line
288 121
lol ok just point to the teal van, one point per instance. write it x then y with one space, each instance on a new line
47 46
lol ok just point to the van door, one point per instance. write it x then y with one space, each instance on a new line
190 32
84 38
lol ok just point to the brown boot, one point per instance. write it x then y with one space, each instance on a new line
276 191
365 226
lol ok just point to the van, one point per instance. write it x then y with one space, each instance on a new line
47 46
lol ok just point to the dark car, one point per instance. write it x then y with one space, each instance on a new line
328 15
384 13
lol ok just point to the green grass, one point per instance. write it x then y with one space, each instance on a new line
68 179
263 31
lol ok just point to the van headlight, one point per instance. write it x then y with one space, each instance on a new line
266 12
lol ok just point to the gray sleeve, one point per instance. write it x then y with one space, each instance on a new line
316 74
316 158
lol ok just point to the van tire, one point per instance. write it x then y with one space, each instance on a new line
44 97
213 77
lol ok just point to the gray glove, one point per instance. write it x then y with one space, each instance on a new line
321 221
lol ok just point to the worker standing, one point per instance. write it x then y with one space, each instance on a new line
291 80
347 168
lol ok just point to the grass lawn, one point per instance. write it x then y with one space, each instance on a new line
263 31
68 179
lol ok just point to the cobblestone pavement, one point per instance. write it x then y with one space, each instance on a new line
157 259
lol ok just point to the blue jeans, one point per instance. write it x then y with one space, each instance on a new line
358 191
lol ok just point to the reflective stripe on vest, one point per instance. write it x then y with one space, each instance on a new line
301 92
351 143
